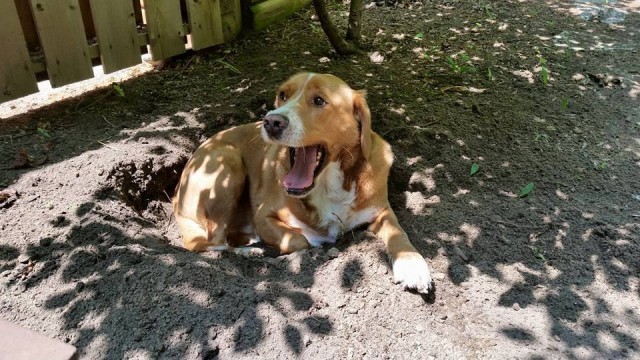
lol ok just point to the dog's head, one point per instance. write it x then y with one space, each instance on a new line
319 117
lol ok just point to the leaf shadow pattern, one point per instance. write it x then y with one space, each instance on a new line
559 259
117 287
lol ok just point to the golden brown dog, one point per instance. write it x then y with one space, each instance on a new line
312 169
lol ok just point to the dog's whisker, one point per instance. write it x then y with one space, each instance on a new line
349 152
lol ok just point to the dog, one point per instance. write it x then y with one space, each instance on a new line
309 171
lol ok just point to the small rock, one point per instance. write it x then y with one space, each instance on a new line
444 317
333 253
460 253
306 340
376 57
24 258
578 77
577 130
516 306
46 241
438 276
20 288
382 270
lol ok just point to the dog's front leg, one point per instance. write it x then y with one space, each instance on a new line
409 267
275 233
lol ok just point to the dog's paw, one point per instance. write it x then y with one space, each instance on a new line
412 272
250 251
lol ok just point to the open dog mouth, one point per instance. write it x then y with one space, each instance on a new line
306 163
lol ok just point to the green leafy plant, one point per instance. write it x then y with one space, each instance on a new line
544 71
461 64
419 36
526 190
474 169
601 166
486 9
490 75
564 103
539 254
117 89
43 133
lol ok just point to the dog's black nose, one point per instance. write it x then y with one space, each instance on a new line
275 124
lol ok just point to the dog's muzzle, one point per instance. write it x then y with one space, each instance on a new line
274 125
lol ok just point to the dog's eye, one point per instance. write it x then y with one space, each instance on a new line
282 96
318 101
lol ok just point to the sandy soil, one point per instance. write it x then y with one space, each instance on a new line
532 92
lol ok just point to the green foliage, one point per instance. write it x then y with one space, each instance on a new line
526 190
419 36
544 71
461 65
490 75
474 169
488 12
539 254
43 133
117 89
229 66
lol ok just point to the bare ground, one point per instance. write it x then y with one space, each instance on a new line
89 253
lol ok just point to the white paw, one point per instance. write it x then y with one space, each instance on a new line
412 272
249 251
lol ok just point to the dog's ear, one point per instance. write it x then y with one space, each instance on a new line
363 115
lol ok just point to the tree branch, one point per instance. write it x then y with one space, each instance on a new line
342 46
355 21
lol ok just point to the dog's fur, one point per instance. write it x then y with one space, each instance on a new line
241 184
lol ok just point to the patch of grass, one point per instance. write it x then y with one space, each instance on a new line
564 103
490 76
544 71
541 137
419 36
600 166
315 28
228 66
487 11
460 65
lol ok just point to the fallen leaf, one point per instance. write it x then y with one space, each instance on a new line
474 169
376 57
526 190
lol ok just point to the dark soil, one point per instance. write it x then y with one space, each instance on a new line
90 254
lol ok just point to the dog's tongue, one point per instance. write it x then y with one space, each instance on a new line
301 174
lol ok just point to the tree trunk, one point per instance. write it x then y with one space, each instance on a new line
342 46
355 20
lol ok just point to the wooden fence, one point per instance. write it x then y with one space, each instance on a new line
62 39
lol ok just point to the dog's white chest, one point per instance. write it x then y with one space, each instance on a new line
335 208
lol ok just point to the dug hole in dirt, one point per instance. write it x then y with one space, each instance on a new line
478 99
